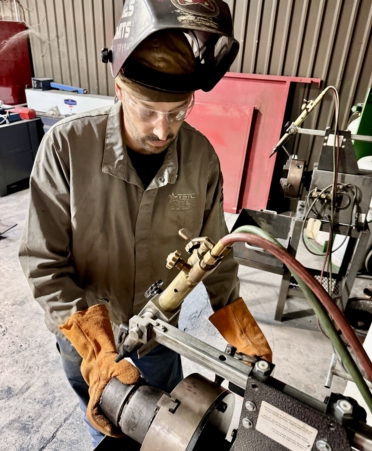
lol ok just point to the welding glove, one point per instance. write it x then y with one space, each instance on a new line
238 327
90 332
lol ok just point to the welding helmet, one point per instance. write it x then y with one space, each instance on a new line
206 25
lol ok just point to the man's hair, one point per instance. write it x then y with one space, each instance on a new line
166 51
159 68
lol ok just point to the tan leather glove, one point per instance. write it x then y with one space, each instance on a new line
90 332
238 327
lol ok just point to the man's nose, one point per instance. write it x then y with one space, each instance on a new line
161 127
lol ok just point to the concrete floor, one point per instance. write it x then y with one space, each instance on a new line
39 411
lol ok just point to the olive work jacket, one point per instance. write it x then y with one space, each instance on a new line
94 235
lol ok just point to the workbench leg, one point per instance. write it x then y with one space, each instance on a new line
359 253
3 187
284 287
283 294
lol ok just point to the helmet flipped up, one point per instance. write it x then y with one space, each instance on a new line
206 26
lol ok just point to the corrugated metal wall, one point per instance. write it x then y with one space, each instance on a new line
329 39
7 11
68 37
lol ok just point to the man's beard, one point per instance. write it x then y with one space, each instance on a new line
141 140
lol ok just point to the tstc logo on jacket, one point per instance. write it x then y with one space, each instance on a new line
182 201
202 7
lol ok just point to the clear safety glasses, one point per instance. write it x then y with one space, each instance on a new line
152 116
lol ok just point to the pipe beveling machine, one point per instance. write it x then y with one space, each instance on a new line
197 414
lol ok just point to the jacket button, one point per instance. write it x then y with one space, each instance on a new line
161 179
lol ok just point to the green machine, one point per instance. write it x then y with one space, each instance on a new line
363 148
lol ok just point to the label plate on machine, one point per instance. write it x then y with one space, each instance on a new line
285 429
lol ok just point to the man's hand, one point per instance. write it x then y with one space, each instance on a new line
238 327
90 332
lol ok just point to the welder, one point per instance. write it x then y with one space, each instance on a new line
111 188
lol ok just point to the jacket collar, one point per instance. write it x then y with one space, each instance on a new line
116 161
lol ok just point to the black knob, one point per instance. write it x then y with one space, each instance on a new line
106 55
154 289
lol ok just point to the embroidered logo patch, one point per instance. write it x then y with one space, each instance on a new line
182 201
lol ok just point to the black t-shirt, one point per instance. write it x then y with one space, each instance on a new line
146 166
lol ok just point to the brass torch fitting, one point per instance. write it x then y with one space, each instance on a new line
192 272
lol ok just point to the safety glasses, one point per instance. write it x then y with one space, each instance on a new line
152 116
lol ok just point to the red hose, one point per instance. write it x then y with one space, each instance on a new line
317 289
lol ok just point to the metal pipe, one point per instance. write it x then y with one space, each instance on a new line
16 9
331 371
199 352
309 131
220 363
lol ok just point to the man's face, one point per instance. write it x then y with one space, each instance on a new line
146 129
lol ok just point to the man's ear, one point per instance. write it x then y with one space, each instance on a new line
119 92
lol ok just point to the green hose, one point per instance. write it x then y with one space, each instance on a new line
324 319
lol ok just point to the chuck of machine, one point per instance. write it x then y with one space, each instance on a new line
196 414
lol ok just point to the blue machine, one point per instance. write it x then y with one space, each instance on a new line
46 84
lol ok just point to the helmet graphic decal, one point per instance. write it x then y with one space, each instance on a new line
206 3
199 7
207 26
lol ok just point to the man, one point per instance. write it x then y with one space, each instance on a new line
109 191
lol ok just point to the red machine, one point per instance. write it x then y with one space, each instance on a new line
15 63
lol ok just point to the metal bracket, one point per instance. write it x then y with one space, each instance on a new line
292 184
168 403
